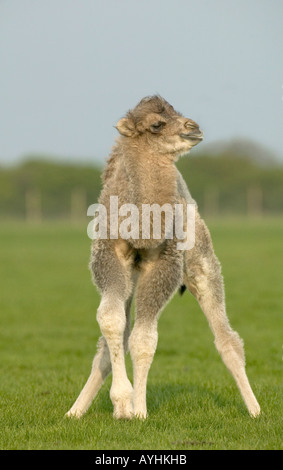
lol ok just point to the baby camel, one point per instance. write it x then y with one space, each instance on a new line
141 170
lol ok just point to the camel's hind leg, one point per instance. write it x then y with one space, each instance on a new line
101 367
203 278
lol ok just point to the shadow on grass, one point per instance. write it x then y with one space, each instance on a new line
193 397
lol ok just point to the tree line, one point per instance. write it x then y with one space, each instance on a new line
224 184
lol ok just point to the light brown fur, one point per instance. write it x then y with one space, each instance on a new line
141 170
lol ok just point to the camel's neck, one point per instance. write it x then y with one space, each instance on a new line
152 178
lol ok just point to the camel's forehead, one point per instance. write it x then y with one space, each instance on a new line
153 104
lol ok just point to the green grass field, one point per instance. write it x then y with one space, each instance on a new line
49 333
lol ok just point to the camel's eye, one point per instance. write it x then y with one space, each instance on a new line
157 126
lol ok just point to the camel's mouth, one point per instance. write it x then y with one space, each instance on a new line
193 136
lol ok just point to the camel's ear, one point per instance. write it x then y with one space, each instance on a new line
126 127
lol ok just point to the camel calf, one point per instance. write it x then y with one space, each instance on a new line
141 171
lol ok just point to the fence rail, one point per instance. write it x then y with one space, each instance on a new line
211 204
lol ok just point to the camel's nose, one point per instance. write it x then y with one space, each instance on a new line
191 125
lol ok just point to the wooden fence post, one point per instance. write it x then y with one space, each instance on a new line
211 201
78 204
33 205
255 200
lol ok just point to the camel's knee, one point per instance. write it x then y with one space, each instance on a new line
143 342
101 360
231 348
111 317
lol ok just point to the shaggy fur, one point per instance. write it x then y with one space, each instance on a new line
141 170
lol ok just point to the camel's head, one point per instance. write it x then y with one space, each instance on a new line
161 127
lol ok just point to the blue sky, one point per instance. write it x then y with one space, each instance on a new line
71 68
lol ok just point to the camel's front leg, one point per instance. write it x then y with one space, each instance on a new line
143 342
112 321
157 283
101 367
112 275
